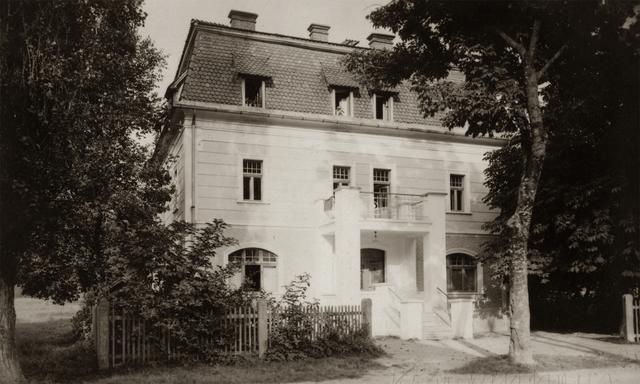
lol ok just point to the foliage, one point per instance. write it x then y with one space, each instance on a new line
81 322
167 277
291 336
528 68
77 91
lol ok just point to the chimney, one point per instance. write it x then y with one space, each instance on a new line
243 20
318 32
380 41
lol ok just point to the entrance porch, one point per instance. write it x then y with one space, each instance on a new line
394 253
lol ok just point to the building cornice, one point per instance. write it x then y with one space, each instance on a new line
334 123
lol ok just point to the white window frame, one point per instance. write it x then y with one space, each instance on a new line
262 263
350 181
333 103
466 191
251 184
392 177
479 272
243 93
388 111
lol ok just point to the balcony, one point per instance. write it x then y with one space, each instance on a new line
377 211
389 206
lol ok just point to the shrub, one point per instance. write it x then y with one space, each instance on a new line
292 338
81 321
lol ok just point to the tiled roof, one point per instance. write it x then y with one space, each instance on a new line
252 64
300 74
336 76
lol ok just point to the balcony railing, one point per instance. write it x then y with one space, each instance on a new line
392 206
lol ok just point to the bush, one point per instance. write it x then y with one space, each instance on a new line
81 322
291 337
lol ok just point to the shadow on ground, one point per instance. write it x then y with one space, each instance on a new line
500 364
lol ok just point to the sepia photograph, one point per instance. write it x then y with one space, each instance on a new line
320 191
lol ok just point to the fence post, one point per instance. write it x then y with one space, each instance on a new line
101 332
627 316
366 315
262 327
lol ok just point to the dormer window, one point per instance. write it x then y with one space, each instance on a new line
342 102
383 107
253 91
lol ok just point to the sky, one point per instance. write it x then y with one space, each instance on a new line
168 21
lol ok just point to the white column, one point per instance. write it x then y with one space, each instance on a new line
347 244
434 248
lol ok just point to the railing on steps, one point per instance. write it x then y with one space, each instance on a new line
447 306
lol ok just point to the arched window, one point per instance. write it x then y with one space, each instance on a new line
258 268
462 273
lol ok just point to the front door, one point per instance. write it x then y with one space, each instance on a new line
371 267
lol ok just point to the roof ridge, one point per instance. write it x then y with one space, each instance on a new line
215 24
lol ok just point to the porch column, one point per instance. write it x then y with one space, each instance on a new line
434 248
347 244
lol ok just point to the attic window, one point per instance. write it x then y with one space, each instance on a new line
343 102
253 92
383 107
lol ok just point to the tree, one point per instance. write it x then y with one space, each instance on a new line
584 245
76 92
517 58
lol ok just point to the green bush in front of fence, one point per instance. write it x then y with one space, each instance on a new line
299 330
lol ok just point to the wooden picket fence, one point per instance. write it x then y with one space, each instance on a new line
631 318
122 339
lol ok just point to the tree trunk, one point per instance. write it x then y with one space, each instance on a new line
534 148
10 371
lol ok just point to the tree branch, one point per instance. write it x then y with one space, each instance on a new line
535 32
551 60
512 43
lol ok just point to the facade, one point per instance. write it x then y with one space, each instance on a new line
317 174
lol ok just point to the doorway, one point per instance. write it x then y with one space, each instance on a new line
372 267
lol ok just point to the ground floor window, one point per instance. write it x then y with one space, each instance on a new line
371 267
257 269
462 272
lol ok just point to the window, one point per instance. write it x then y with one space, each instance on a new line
381 188
456 192
383 105
253 92
342 102
341 177
371 267
258 267
461 273
252 180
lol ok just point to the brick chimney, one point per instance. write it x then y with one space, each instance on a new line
318 32
243 20
380 41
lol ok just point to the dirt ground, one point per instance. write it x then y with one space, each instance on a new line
562 359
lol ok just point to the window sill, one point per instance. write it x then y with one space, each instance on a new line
256 202
463 213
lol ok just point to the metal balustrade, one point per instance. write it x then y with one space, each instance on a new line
392 206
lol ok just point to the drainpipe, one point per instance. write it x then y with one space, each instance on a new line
193 167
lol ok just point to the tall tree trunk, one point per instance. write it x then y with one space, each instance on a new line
10 371
534 145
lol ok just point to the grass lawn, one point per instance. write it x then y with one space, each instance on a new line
48 354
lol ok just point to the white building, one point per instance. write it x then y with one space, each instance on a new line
316 174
